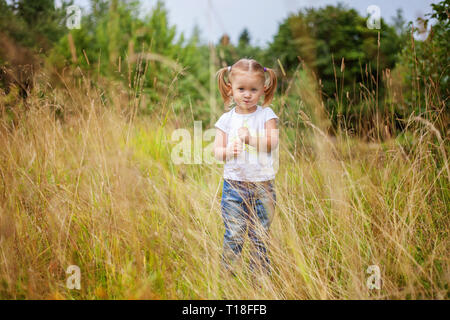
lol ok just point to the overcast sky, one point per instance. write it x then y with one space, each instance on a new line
262 17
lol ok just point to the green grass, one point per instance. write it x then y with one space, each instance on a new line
100 191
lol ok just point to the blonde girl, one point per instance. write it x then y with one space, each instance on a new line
246 140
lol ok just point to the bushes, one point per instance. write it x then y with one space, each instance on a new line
360 79
425 65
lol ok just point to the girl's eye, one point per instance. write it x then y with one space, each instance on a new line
253 89
241 89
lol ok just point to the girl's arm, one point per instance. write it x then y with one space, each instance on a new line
270 139
220 143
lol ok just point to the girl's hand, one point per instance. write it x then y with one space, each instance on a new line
234 149
244 134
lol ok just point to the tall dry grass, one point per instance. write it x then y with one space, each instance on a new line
87 182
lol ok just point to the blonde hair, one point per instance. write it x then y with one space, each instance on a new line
246 65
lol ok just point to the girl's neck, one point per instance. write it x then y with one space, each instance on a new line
241 110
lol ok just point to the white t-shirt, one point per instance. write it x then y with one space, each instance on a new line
249 165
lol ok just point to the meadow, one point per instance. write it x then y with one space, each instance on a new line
88 182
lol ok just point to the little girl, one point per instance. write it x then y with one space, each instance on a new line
246 139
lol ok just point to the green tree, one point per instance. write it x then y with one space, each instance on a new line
27 29
244 38
246 50
424 68
319 36
44 22
336 44
425 65
146 51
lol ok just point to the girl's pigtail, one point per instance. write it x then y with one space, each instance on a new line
271 87
224 88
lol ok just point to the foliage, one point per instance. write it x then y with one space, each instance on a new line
229 53
143 52
333 39
33 23
426 63
147 54
94 186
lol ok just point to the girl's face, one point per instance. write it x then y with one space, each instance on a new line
246 89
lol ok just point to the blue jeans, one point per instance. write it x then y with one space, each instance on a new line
247 205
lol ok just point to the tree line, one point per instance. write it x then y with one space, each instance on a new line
357 68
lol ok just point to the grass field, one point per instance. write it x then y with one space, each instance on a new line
93 185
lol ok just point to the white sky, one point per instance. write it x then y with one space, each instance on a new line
262 17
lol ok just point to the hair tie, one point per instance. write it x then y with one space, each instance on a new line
265 69
229 68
